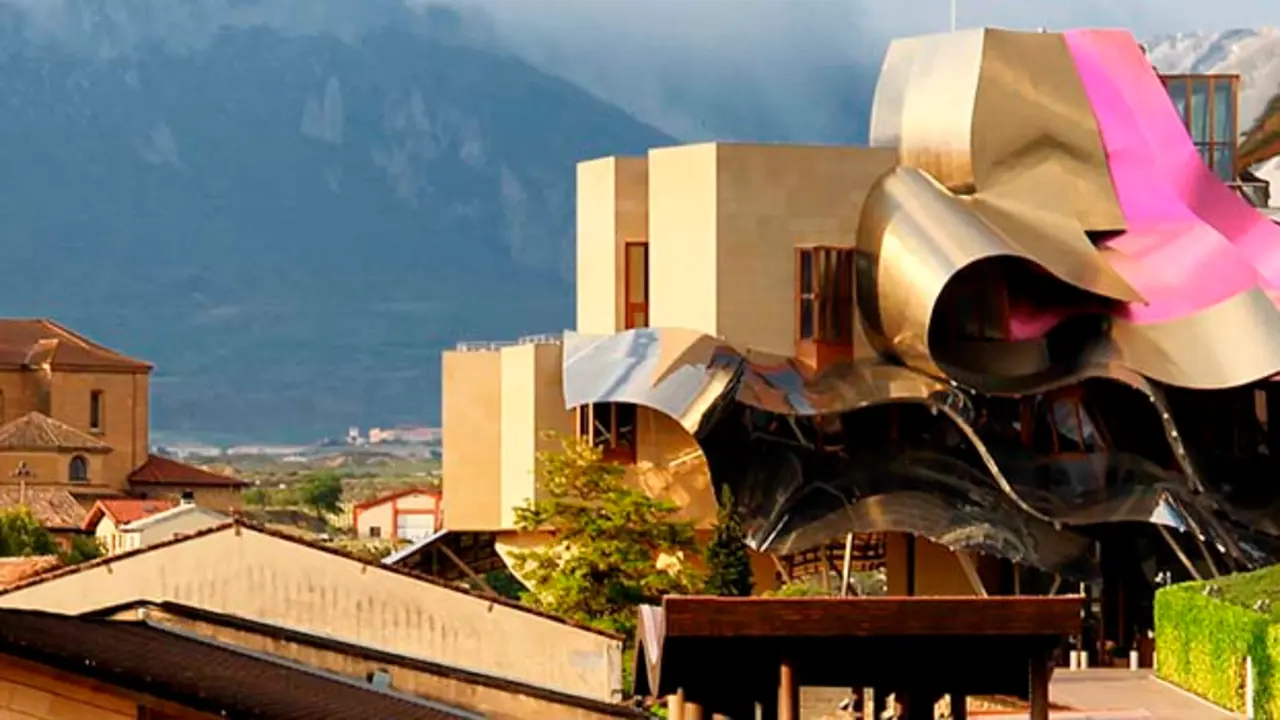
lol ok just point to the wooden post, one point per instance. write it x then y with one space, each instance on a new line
1039 672
848 562
788 693
675 705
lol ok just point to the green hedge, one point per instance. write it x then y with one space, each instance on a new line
1202 641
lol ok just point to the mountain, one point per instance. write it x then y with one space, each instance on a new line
289 206
1252 54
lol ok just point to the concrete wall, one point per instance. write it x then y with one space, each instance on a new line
471 412
534 420
28 692
240 571
682 233
178 523
612 209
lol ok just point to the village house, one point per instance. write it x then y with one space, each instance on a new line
406 515
124 524
74 428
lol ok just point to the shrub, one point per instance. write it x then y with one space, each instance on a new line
1202 640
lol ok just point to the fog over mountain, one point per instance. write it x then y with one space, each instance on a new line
292 206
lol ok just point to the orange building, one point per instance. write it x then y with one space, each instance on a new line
74 426
410 514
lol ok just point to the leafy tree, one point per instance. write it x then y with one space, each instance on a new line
22 535
728 564
256 496
82 549
322 492
608 538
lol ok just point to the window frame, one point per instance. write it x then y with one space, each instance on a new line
97 411
631 308
602 425
1209 148
824 294
78 461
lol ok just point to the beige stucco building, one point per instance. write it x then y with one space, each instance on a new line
402 516
74 422
124 524
707 239
277 579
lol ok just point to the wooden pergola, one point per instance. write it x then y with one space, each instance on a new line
736 657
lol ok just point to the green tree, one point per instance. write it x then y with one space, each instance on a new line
608 537
727 561
322 492
22 535
256 497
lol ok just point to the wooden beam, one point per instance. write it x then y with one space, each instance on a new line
971 572
675 705
470 573
788 693
1039 677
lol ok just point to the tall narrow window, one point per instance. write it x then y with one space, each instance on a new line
96 410
78 470
824 294
1208 107
611 427
637 284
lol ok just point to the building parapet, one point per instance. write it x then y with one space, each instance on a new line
541 339
482 345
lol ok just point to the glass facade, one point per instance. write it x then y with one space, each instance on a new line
1208 105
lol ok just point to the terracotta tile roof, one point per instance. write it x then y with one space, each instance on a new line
54 508
31 342
158 470
201 673
37 431
14 570
124 510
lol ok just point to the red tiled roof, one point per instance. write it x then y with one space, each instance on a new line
124 510
37 431
27 342
159 470
14 570
53 508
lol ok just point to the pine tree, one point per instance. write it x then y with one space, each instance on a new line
728 564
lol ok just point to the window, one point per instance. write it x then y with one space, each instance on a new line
375 531
611 427
78 470
824 294
636 291
95 410
1208 107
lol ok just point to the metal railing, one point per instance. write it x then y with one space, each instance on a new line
490 345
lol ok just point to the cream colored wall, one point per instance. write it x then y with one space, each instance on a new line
177 524
532 407
612 208
124 415
471 412
670 465
493 702
240 571
416 501
682 234
30 694
51 468
725 220
381 516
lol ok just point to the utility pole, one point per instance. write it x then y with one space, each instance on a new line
953 15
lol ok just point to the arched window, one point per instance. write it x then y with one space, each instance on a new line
78 471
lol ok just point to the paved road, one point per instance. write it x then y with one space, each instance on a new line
1123 690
